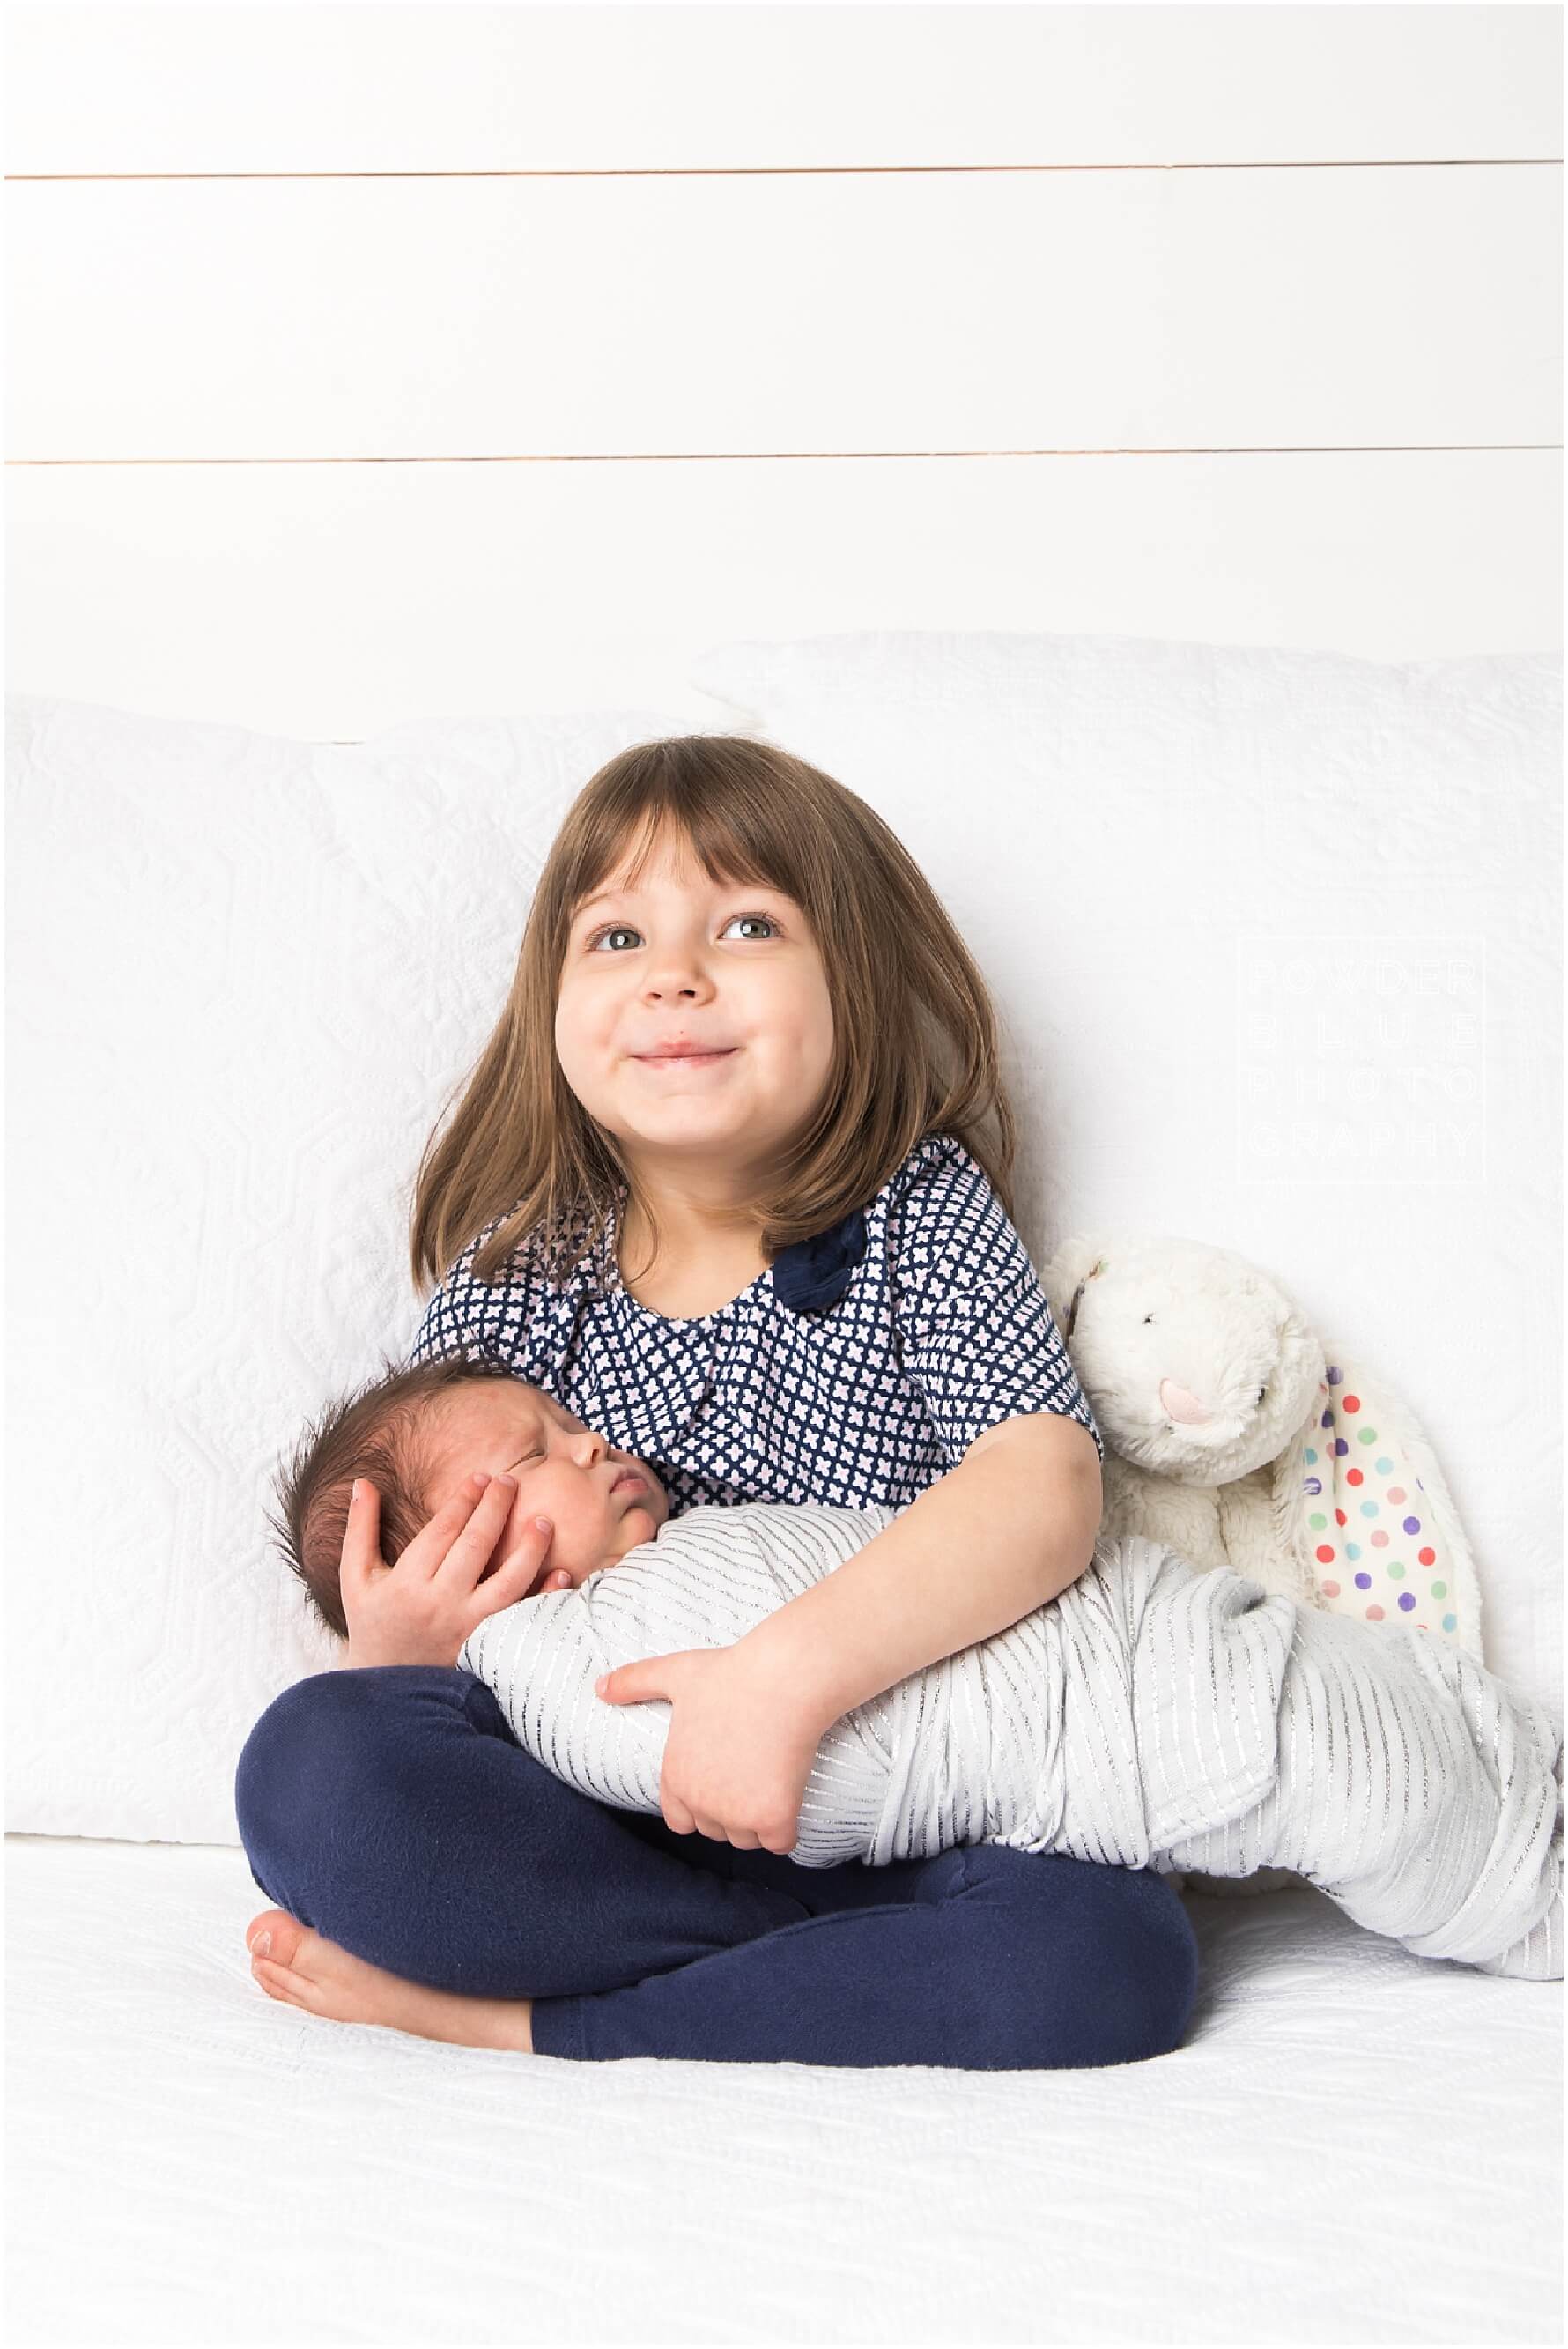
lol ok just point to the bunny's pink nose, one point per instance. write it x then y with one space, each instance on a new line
1182 1405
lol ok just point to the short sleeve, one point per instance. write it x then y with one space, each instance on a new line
466 1316
977 1332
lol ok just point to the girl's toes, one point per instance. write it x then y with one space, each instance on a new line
288 1989
276 1935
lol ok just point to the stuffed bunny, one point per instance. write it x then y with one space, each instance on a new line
1232 1434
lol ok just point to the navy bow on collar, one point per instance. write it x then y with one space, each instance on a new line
812 1275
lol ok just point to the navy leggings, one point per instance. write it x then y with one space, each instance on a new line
393 1810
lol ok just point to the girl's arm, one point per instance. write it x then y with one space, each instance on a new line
1014 1520
1002 1533
1009 1526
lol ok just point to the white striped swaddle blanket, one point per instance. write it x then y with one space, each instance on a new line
1150 1716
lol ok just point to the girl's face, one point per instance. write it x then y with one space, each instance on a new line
693 1020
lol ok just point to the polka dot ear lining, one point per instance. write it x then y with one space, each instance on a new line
1377 1524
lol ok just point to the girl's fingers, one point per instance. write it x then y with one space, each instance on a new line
515 1579
433 1544
361 1539
456 1542
361 1554
468 1556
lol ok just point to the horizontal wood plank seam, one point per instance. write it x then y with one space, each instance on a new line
809 171
771 456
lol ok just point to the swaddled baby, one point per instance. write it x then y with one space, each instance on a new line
1150 1716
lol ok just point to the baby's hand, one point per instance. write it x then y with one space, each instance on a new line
420 1610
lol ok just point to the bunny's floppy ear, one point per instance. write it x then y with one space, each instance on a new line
1371 1516
1069 1273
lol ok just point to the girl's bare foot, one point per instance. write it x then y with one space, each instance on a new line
296 1965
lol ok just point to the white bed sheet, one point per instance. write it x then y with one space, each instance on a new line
1355 2144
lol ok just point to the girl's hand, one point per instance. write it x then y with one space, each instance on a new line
738 1755
420 1610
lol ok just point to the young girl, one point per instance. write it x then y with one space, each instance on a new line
723 1183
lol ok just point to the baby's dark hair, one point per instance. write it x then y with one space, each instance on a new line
379 1431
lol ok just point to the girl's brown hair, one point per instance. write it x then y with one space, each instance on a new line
914 1032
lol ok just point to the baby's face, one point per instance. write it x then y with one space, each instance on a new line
601 1502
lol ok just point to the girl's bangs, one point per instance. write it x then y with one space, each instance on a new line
754 841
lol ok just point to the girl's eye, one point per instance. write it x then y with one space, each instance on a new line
624 929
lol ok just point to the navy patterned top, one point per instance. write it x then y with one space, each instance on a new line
858 1367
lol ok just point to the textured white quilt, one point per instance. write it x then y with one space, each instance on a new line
1206 884
1353 2145
1273 935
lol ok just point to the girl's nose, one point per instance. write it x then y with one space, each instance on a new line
680 973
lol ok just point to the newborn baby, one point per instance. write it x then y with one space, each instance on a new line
1150 1716
417 1434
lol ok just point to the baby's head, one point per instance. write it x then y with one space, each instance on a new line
417 1433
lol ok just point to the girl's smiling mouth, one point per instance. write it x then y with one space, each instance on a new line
684 1060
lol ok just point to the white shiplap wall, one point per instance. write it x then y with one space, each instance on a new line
371 362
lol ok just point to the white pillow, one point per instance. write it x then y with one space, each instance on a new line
1274 939
246 975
